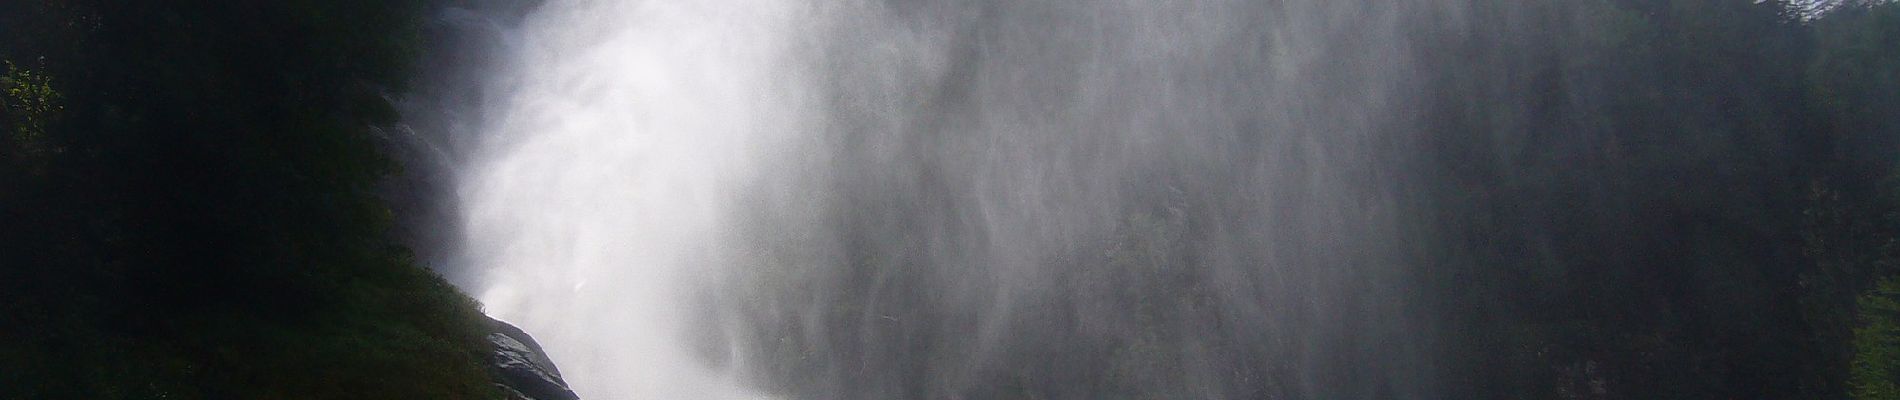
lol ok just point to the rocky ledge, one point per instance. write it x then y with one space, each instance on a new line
521 369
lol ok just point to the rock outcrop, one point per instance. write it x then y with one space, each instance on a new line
521 369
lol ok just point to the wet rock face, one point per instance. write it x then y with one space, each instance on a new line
521 369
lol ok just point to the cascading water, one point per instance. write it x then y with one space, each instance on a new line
953 199
602 179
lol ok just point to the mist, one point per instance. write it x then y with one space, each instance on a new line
1030 199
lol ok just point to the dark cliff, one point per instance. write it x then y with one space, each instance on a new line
521 369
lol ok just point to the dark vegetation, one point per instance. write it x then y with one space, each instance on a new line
188 207
1667 199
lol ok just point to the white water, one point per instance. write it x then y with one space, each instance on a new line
620 131
930 198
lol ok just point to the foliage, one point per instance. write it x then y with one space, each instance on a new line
199 217
1876 364
30 105
1663 199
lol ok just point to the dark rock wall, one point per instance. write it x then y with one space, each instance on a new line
521 369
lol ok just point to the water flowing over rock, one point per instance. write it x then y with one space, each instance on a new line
522 369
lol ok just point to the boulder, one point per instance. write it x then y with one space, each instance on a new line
521 369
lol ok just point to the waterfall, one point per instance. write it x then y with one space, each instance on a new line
601 180
880 199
